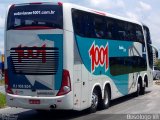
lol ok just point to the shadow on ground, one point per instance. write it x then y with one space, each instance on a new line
64 115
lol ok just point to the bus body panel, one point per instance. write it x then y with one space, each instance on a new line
19 59
46 103
114 48
134 52
34 56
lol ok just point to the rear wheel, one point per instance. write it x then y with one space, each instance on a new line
106 101
157 77
137 93
143 89
94 101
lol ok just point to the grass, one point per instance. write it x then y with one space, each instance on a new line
1 82
2 96
2 100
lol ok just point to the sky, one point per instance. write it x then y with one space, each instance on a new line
146 11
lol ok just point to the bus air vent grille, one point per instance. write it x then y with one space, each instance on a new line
34 60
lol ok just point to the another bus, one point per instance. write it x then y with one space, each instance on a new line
68 57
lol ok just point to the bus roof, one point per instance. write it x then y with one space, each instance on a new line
70 5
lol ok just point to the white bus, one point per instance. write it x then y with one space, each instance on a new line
68 57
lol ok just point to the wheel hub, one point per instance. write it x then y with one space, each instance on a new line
94 100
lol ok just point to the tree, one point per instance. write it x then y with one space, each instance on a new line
158 63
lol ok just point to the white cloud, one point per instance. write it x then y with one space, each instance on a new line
1 47
121 3
106 4
1 41
2 21
132 15
96 2
2 14
153 23
144 6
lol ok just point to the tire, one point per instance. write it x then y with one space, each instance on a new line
143 89
137 93
105 103
94 101
154 77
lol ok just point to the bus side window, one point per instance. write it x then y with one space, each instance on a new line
99 26
121 30
82 23
109 26
88 25
114 31
139 34
130 30
77 22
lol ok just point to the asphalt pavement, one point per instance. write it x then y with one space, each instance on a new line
145 107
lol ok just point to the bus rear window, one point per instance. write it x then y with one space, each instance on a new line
45 16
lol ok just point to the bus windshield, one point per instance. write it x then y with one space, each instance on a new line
34 16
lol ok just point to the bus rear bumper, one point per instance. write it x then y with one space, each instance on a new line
41 103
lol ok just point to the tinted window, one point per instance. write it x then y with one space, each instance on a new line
82 24
131 32
112 29
149 47
150 55
125 65
99 26
96 26
122 30
139 34
35 15
88 25
147 34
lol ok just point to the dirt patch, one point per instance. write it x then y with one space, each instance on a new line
157 82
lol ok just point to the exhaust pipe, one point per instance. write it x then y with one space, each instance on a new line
53 106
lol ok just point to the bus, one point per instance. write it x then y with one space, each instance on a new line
61 56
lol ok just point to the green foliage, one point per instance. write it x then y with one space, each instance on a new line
2 100
1 82
158 63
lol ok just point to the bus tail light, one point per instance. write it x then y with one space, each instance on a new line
60 3
66 84
7 86
12 6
